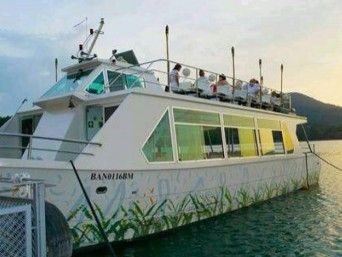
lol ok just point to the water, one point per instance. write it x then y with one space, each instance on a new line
305 223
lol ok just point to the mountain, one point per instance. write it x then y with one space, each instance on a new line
324 120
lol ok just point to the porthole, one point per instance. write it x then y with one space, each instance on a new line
101 190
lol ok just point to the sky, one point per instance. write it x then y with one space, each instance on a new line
306 36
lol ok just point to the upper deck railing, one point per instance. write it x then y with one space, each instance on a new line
266 98
29 146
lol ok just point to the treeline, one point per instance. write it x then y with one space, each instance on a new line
324 120
4 119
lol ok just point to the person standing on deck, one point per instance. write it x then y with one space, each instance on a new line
174 77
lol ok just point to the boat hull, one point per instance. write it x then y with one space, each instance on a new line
137 203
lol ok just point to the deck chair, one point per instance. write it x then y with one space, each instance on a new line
240 96
205 90
224 93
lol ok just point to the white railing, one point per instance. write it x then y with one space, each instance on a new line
29 148
266 98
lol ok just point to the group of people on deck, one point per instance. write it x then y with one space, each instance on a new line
253 87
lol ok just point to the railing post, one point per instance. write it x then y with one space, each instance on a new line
307 172
233 66
29 151
39 216
196 82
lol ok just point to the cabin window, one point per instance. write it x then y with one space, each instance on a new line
67 84
197 117
198 135
108 111
119 81
97 86
240 136
28 126
289 147
271 138
116 81
158 147
132 81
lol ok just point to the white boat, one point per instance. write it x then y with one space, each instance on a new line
150 160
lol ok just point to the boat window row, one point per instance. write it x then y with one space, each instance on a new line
200 136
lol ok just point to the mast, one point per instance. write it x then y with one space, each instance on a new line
261 81
97 33
56 69
167 89
233 64
281 84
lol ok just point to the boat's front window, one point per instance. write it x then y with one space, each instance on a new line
97 86
67 84
120 81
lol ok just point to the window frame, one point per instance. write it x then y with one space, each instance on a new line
167 109
89 81
226 157
258 149
197 124
107 86
279 130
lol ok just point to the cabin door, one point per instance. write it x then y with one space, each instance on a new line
94 120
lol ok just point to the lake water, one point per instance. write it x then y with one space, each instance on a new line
304 223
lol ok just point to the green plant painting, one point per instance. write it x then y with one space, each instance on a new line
137 219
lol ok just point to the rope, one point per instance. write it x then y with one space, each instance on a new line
326 161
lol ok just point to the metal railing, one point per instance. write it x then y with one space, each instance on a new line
25 235
29 148
266 97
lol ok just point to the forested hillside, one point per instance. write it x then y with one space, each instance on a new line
324 120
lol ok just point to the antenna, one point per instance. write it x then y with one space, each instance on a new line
11 119
86 55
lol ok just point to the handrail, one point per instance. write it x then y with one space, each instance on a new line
256 100
171 61
44 149
67 140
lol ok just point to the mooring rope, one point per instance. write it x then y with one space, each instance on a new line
326 161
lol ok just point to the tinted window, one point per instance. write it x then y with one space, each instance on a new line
241 142
97 86
158 147
67 84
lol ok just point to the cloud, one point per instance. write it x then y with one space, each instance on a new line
27 66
